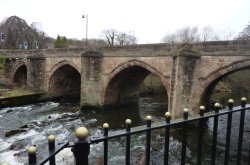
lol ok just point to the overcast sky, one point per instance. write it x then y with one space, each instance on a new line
150 20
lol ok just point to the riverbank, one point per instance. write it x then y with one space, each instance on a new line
22 99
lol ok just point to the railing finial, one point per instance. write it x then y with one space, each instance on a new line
230 104
168 117
243 102
105 126
217 107
51 138
148 119
202 110
128 123
185 115
81 133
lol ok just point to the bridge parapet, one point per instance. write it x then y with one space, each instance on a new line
159 49
225 48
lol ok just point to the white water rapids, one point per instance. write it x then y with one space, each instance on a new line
37 121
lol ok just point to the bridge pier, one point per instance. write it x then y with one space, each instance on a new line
183 81
91 63
36 72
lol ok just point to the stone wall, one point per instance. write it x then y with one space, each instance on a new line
113 74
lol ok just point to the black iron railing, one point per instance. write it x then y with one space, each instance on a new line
81 147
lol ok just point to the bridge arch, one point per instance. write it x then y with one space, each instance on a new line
210 81
64 80
19 77
123 82
62 63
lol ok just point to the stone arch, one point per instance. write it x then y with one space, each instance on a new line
136 66
19 76
210 81
56 67
61 63
64 80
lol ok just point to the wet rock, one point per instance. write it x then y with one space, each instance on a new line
9 111
19 144
69 117
24 126
14 132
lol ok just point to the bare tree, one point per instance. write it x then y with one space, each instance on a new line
244 34
186 34
207 33
125 39
189 34
227 34
114 37
170 38
110 36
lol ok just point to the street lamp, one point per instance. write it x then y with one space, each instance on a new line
86 16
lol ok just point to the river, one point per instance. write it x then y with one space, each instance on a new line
36 121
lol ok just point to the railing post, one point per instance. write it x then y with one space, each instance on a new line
105 148
200 135
128 128
32 155
81 147
241 130
51 143
167 134
184 137
215 130
148 140
228 134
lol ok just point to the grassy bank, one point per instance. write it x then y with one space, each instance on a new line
6 93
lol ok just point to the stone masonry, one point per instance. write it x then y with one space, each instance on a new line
110 76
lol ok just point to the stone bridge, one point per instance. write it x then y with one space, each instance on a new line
110 76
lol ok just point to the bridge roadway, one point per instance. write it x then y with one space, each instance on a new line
109 76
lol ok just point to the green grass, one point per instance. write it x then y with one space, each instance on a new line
15 92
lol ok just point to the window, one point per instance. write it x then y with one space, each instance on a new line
25 45
2 37
37 45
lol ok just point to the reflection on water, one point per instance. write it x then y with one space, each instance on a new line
156 106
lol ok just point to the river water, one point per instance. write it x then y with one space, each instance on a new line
36 121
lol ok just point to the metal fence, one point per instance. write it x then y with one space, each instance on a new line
81 146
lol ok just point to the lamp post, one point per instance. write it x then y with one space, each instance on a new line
86 16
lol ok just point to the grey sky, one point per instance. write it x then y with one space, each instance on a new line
150 20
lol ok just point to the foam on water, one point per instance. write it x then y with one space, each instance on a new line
26 135
65 157
11 159
4 145
15 109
